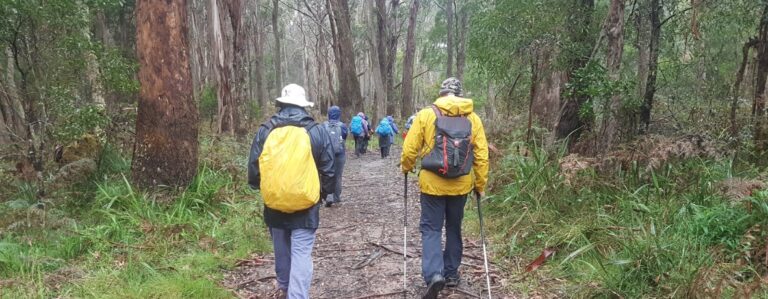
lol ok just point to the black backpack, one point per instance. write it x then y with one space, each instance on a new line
452 156
334 131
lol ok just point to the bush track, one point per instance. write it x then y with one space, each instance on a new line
358 251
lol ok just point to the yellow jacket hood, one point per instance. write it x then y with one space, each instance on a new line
454 106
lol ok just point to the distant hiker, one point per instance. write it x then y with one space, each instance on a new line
359 128
394 128
368 134
385 132
338 132
408 124
450 140
291 162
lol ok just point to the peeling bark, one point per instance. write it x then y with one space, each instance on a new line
227 47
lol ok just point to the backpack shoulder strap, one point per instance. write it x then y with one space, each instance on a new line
309 126
269 125
438 113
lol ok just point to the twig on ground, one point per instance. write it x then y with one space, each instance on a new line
391 249
458 290
380 295
339 249
467 255
368 260
246 283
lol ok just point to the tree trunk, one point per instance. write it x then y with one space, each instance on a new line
547 82
379 56
392 37
410 53
278 57
490 106
93 71
165 149
15 115
349 97
570 123
258 60
449 35
225 18
761 125
736 89
653 63
643 26
614 32
461 51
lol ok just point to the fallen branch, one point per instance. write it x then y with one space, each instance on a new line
246 283
466 293
380 295
390 249
369 260
339 249
467 255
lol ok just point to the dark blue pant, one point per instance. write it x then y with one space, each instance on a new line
436 211
360 145
338 171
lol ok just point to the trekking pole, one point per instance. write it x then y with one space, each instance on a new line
405 236
485 253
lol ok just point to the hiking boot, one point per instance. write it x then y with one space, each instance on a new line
328 204
452 282
436 284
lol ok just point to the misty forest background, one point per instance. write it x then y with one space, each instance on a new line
629 137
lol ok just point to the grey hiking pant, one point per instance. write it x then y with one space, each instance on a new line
436 210
338 171
293 260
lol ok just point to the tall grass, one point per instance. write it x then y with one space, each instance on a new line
628 233
127 243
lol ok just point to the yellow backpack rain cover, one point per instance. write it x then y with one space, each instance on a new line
289 181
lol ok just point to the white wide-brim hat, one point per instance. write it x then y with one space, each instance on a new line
294 94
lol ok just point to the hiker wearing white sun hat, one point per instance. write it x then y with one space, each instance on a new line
293 94
281 150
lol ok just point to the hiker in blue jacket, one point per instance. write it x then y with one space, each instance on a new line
394 128
358 126
338 131
386 136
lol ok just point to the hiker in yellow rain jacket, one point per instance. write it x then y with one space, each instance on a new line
443 195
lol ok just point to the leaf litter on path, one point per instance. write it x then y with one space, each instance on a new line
358 247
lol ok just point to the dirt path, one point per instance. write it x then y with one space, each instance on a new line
358 251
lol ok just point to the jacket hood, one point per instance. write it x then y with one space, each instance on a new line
294 115
453 105
334 113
